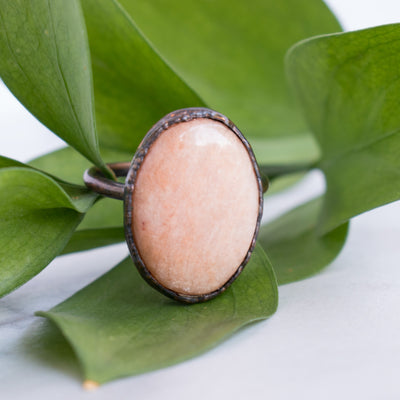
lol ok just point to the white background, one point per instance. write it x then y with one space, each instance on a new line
335 335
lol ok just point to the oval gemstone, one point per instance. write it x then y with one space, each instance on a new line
195 206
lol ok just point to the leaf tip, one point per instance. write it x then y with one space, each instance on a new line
90 385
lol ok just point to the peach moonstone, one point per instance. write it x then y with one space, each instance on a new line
195 206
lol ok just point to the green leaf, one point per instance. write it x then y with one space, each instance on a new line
296 149
107 213
65 163
37 218
284 182
69 165
285 151
86 239
295 248
232 52
6 162
45 62
134 87
82 197
349 89
120 326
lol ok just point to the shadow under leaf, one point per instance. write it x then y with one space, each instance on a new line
45 343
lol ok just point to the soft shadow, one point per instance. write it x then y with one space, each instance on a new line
45 344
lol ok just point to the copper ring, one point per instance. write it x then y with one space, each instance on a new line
95 180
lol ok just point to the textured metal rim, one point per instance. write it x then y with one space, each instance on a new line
176 117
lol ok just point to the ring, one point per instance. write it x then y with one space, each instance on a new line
193 202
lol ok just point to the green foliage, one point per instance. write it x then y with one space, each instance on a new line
147 59
295 149
348 87
45 62
9 162
232 52
86 239
37 218
232 55
131 328
68 165
295 248
134 87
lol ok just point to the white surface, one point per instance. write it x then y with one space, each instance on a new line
334 335
359 14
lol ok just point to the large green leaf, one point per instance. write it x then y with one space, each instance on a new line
37 218
120 326
45 62
134 87
232 52
295 248
349 89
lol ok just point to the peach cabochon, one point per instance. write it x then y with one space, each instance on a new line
195 206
